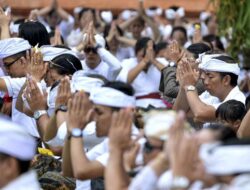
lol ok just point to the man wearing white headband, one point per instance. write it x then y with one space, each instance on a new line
219 75
107 99
13 54
17 149
98 60
228 162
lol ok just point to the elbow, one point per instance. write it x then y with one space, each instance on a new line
79 174
200 116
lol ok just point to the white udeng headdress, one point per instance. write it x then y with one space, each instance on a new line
225 160
217 65
111 97
171 13
12 46
16 142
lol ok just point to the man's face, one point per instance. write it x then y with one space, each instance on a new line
14 67
102 117
179 37
92 58
136 29
151 149
86 18
212 82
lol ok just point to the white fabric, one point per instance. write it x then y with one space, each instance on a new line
14 85
172 14
49 52
14 28
157 123
26 181
15 141
204 58
82 82
65 26
12 46
151 79
225 160
107 16
220 66
109 67
77 10
127 14
74 38
204 15
234 94
111 97
124 53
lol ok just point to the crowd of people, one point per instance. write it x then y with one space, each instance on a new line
143 100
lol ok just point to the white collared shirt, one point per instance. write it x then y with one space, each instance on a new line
26 181
145 82
14 85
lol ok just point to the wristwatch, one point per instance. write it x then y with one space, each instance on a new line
76 132
39 113
62 108
180 182
190 88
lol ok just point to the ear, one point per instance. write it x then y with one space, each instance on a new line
236 124
226 80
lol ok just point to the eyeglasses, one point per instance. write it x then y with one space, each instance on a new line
7 65
51 64
148 148
90 49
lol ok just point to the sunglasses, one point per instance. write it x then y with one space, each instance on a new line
148 148
90 49
7 65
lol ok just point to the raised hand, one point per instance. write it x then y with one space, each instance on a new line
64 92
79 111
34 96
120 130
36 67
174 52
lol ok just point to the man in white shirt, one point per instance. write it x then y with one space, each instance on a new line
13 54
17 149
144 72
107 100
219 76
97 59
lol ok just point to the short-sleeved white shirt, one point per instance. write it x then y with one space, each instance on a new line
14 85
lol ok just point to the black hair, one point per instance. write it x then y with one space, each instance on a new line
213 38
231 110
247 102
181 29
198 48
84 10
142 44
223 133
160 46
98 77
62 46
35 33
23 165
67 64
19 21
234 77
175 8
121 86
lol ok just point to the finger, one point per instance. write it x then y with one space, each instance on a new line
70 106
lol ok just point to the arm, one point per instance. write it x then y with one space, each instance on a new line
244 129
83 168
170 85
201 111
127 23
125 40
133 73
4 24
67 163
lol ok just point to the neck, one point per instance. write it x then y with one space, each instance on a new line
225 93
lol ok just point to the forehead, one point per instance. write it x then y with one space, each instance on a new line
210 73
9 59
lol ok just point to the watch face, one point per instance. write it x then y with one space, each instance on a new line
36 114
76 132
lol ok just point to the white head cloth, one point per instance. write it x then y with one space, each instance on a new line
77 10
158 123
111 97
225 160
98 38
127 14
171 14
14 141
12 46
216 65
50 52
82 82
14 28
203 57
204 15
107 16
